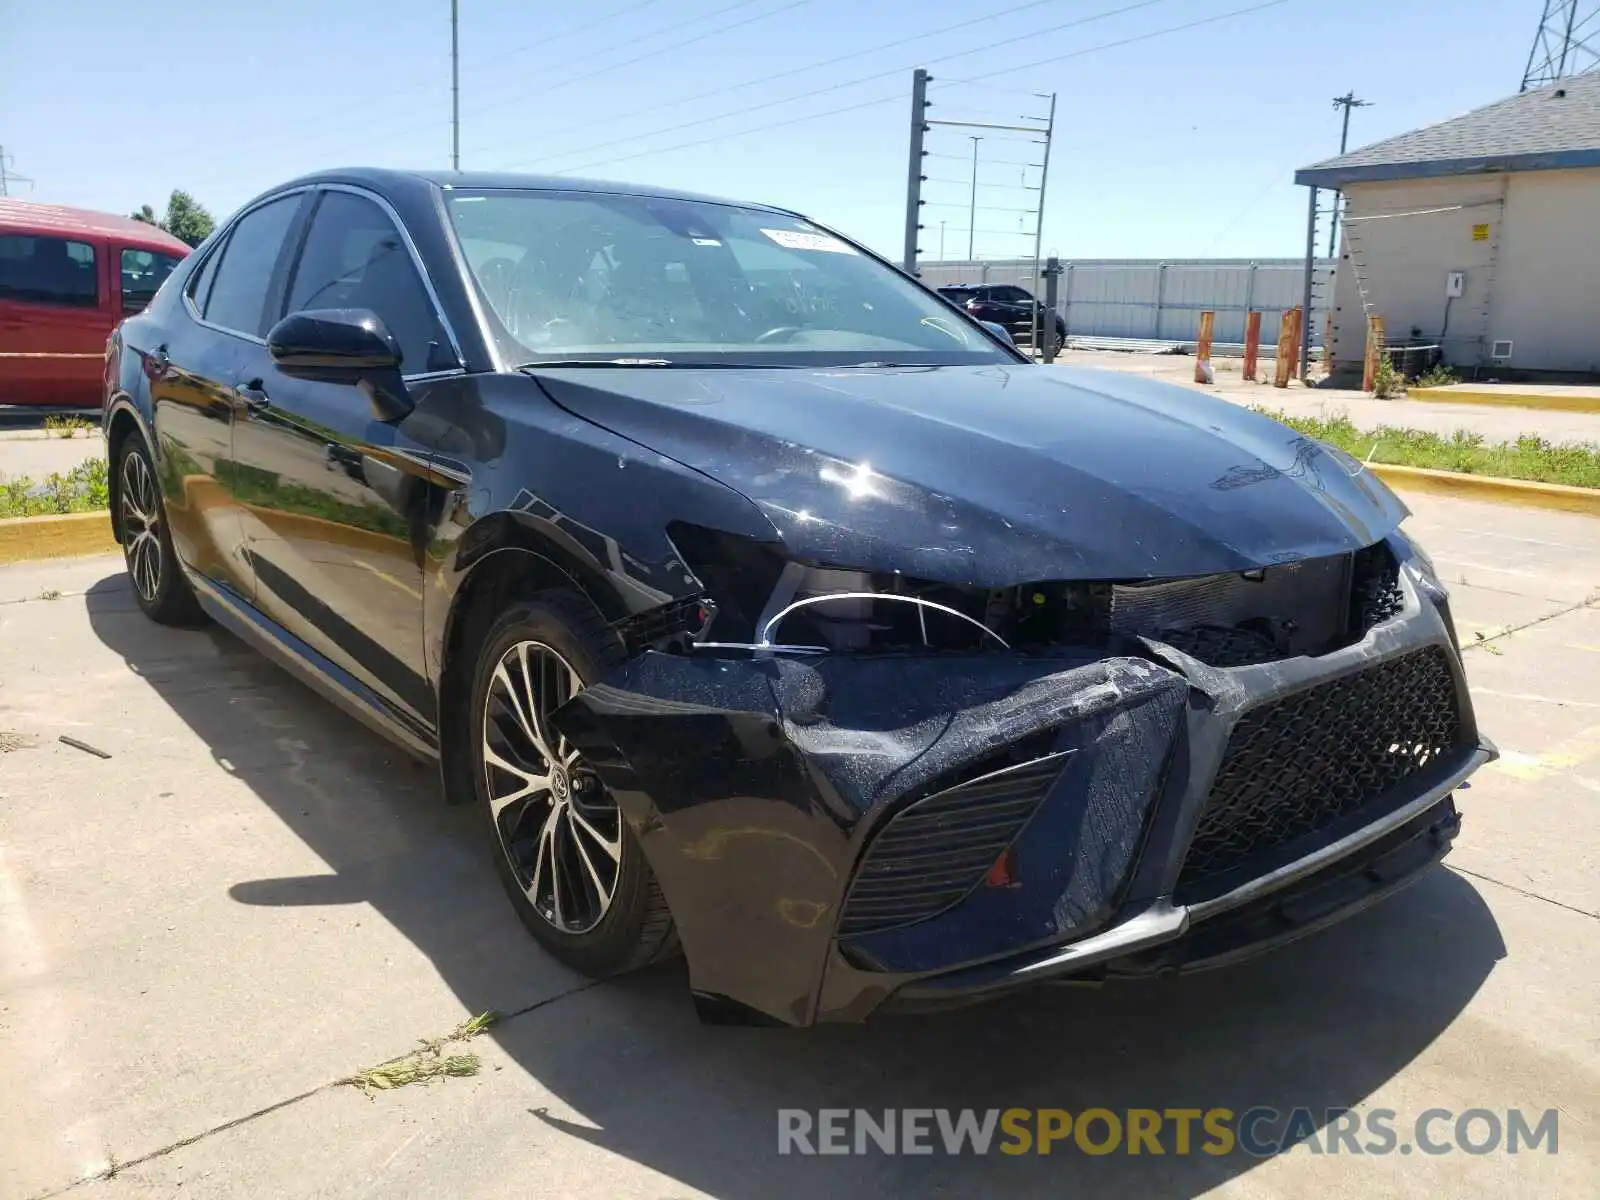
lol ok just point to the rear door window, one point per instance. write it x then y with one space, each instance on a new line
143 273
238 297
48 270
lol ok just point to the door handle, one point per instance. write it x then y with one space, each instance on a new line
253 397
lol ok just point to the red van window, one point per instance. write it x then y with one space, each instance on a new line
143 272
48 270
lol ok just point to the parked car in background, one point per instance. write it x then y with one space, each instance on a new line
768 608
67 276
1009 306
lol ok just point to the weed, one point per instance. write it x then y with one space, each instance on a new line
50 594
430 1062
1386 381
66 424
1529 457
1437 375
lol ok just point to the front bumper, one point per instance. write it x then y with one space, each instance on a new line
823 828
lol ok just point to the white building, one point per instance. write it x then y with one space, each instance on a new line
1480 233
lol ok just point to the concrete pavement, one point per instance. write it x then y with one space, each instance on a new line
34 454
1495 424
254 897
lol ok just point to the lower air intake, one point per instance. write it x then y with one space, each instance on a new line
1296 765
932 853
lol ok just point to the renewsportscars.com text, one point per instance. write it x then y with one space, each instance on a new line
1260 1132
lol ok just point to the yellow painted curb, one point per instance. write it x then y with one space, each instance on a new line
1557 402
59 536
1560 497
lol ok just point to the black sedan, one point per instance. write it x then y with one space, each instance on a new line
1011 307
769 606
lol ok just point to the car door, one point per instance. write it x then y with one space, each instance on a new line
213 341
339 499
54 318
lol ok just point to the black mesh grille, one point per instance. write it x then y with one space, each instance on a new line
932 853
1375 594
1298 764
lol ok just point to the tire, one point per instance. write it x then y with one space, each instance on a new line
554 841
158 582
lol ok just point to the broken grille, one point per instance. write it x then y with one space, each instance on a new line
932 853
1375 593
1296 765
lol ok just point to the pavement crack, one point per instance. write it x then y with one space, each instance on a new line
1522 891
119 1166
1586 602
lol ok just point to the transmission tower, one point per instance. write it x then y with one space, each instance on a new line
1568 42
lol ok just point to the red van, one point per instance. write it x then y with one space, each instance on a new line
67 276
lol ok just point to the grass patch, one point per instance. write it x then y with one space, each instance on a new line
82 489
430 1062
1529 457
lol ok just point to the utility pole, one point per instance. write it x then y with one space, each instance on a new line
1346 102
455 85
972 218
8 176
941 241
914 176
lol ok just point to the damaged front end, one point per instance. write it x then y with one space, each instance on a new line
857 791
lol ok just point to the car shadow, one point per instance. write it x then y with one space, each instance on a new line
1319 1025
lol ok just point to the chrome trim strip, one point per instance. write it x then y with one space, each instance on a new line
1365 836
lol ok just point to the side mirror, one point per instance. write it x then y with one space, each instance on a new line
343 345
1000 331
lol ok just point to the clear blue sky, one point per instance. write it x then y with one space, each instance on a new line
1171 146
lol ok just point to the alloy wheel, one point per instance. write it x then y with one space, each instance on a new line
559 829
141 525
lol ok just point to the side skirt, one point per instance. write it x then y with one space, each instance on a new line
243 619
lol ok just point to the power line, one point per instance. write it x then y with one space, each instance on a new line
386 98
834 87
1239 12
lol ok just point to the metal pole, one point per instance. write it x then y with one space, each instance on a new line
1038 225
972 216
941 241
919 126
1346 102
455 85
1052 275
1305 307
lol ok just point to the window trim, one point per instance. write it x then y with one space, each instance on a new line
416 261
222 243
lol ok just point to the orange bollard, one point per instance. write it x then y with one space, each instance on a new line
1284 367
1202 350
1294 341
1252 344
1369 366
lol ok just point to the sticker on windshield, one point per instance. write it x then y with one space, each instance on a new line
793 239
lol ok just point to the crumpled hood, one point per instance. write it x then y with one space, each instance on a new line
996 475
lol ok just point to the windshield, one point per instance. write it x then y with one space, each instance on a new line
662 282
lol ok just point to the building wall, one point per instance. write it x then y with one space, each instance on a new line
1527 243
1156 299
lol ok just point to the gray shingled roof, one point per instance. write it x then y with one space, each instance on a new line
1552 128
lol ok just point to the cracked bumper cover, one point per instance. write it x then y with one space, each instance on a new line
786 803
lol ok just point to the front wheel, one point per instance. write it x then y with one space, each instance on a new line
562 847
158 583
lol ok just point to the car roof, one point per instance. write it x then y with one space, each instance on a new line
26 216
389 179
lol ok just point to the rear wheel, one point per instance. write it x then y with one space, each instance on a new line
563 849
158 583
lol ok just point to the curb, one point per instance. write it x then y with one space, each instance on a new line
1558 497
62 535
1505 399
70 534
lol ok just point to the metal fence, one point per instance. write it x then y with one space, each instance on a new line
1154 300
